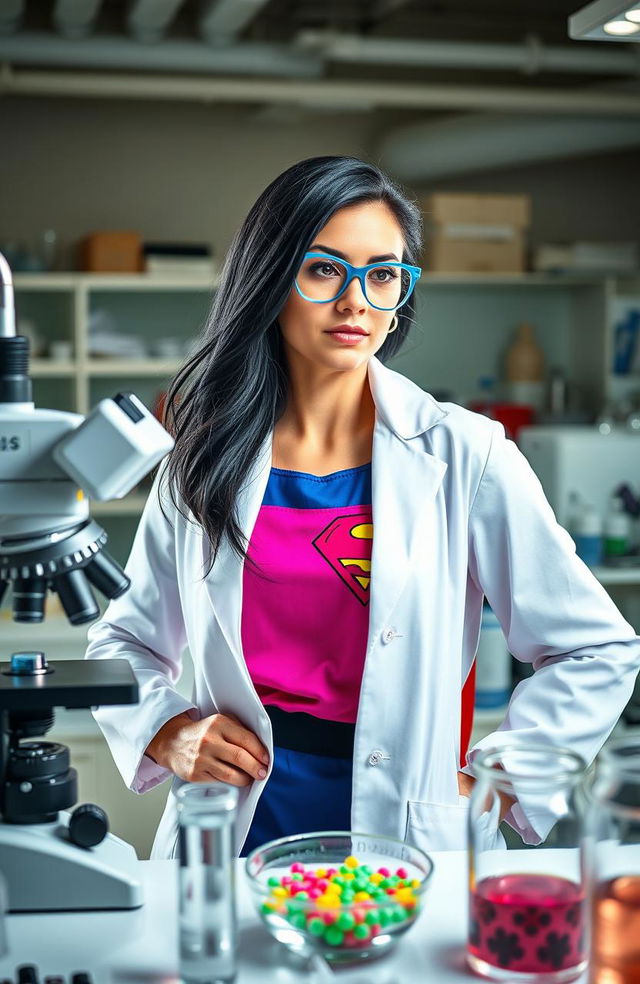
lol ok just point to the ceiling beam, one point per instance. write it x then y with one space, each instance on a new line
74 19
221 21
330 94
148 20
529 57
121 53
11 13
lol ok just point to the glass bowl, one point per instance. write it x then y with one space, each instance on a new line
383 882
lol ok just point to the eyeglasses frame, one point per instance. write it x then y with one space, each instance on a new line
360 273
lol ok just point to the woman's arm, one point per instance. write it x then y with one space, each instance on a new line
554 614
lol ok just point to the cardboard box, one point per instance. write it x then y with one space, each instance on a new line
111 252
470 233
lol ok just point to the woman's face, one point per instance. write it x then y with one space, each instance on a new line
360 234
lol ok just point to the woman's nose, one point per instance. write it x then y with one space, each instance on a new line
353 296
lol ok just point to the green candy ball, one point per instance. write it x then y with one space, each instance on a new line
345 921
361 932
316 926
298 919
333 936
372 917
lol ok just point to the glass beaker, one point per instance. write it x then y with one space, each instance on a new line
527 909
614 864
208 928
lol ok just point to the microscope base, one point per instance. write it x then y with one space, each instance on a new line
47 872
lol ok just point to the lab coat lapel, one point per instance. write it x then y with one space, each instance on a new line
405 481
224 582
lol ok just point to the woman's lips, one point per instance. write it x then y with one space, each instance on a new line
347 336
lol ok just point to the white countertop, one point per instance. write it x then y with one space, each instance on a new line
140 946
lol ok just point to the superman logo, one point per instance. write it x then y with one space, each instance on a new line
346 545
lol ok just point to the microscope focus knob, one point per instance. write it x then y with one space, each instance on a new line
88 825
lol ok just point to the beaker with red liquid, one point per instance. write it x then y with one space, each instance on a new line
614 864
528 909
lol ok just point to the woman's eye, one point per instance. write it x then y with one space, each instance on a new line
324 269
384 275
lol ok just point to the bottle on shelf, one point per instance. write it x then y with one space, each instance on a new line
586 530
524 368
493 663
617 529
485 399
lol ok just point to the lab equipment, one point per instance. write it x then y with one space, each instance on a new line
48 541
525 925
581 460
493 663
614 863
208 930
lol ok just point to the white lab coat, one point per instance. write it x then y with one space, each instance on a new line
458 514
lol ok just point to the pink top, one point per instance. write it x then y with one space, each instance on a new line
305 616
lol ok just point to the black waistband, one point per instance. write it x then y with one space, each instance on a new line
301 732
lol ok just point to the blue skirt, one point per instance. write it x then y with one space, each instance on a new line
304 793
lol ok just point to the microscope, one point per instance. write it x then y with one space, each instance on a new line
51 464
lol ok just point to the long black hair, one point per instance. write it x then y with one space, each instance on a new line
227 397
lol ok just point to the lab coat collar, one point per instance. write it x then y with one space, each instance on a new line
406 409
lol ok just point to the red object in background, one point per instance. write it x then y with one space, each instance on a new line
512 416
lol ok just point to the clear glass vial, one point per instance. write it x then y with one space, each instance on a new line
207 913
527 909
614 864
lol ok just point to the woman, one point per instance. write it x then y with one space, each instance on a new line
322 538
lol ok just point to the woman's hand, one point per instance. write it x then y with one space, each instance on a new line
216 747
466 784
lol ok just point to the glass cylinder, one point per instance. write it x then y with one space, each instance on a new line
614 864
527 909
208 929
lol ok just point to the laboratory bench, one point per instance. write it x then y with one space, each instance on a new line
141 946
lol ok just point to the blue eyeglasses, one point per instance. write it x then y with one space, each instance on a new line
386 286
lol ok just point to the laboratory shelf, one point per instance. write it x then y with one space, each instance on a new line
617 575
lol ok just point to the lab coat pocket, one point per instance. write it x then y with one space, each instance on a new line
437 826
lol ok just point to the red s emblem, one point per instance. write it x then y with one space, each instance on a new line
346 544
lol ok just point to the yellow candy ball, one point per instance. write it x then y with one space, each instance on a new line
280 893
327 901
351 862
321 872
376 878
348 876
361 897
405 895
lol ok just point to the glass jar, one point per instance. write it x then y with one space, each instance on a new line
614 864
208 928
527 909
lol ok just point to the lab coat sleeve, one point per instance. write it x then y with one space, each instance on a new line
145 625
555 614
